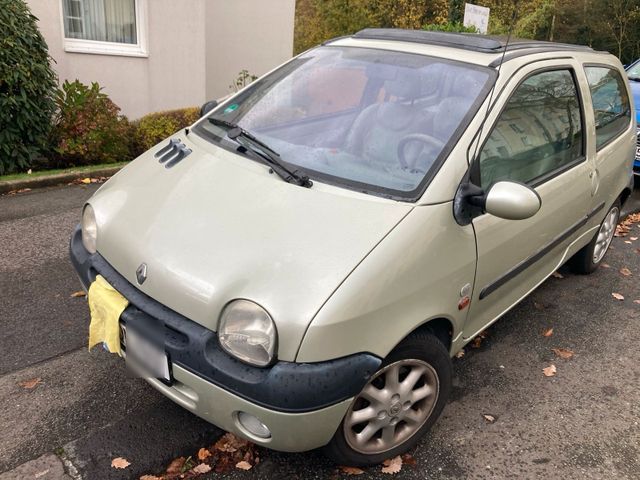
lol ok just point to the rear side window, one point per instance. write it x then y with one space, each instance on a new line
611 106
538 132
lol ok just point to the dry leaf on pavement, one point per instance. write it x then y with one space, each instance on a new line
120 462
460 354
548 332
550 371
605 265
32 383
617 296
176 465
244 465
392 466
557 275
408 460
633 238
85 180
351 470
489 418
150 477
636 301
563 352
625 271
203 454
201 468
79 293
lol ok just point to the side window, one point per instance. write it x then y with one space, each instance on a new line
538 132
611 106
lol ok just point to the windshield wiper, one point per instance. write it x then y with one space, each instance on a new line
634 78
264 151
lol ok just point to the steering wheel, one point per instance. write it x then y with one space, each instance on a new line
425 140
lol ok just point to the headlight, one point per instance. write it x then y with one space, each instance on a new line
89 229
247 332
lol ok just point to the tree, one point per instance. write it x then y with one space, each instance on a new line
27 87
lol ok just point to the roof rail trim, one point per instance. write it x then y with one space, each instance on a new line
468 41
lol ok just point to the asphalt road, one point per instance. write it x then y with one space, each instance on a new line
85 409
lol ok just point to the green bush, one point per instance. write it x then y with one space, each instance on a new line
155 127
27 86
449 27
88 128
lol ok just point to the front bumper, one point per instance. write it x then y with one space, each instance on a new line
301 403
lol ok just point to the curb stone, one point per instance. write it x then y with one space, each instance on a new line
55 179
46 467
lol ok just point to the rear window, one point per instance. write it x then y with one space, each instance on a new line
611 106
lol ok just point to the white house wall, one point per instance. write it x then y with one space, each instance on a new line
196 49
253 35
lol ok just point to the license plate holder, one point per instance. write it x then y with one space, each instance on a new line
145 358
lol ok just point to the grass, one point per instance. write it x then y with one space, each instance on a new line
88 170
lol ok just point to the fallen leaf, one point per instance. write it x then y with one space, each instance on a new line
150 477
85 180
617 296
243 465
79 293
392 466
550 371
460 354
408 460
201 468
119 463
203 454
548 332
557 275
636 301
230 443
605 265
32 383
477 342
625 271
627 241
633 238
538 306
351 470
176 465
563 353
489 418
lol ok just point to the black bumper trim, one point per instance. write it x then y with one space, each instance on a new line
285 386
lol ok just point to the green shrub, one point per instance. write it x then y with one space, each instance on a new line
155 127
89 128
449 27
27 86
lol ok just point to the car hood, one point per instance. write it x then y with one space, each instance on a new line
217 226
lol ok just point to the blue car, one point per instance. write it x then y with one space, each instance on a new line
633 71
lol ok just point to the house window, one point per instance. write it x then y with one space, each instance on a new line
111 27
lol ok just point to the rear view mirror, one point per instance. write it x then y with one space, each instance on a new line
207 107
512 201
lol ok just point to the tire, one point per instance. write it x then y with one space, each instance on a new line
589 258
421 356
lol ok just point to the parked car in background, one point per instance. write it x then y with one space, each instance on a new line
301 264
633 72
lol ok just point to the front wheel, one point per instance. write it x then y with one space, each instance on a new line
590 257
397 406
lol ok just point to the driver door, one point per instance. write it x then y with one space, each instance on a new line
536 139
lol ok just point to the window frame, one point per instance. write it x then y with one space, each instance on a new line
625 82
474 173
138 49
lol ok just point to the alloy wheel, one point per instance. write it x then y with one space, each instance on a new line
392 407
605 234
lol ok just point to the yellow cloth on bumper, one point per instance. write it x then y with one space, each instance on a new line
106 305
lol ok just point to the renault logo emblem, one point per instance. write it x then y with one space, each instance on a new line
141 273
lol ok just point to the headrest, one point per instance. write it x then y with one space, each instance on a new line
405 86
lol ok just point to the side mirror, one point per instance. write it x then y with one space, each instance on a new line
512 201
207 107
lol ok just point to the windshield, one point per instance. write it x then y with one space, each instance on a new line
373 120
634 71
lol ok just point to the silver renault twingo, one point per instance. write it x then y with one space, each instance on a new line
302 262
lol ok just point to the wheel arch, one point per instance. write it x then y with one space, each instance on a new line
441 327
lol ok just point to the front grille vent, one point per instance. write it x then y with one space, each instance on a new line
173 153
